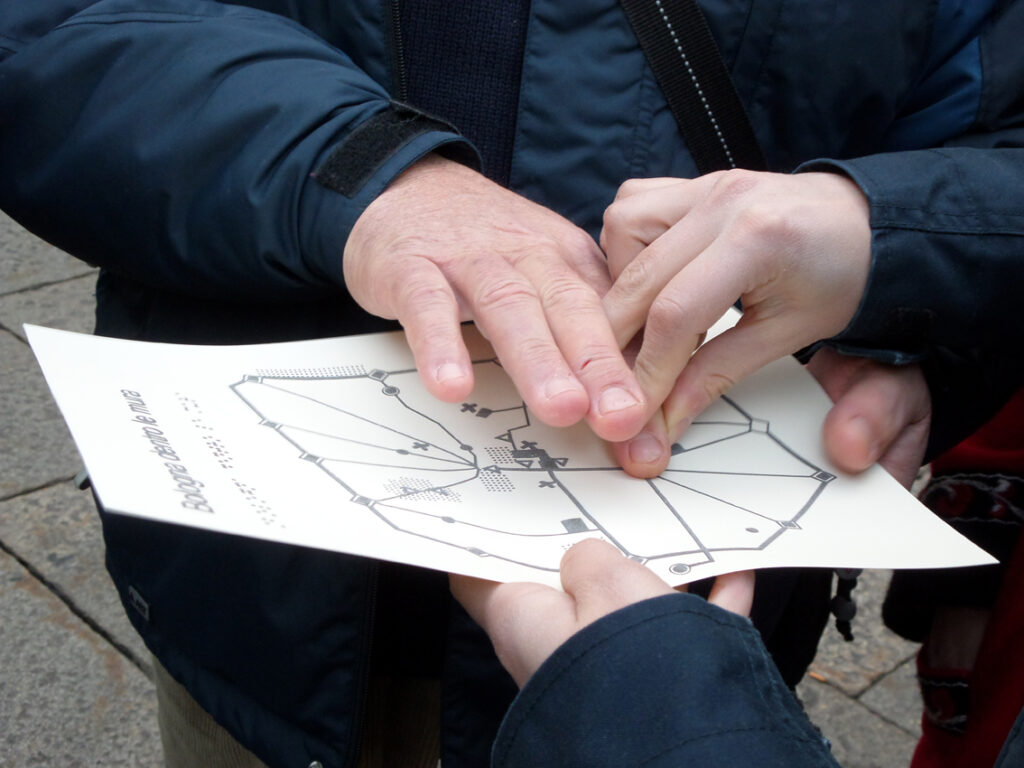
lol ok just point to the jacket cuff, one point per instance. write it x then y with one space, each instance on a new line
365 150
356 170
889 325
943 284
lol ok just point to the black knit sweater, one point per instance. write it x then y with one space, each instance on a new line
462 61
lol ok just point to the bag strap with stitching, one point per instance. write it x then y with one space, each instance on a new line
695 81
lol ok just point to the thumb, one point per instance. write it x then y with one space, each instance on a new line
734 592
881 413
602 580
721 362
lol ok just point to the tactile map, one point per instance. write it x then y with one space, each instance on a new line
336 444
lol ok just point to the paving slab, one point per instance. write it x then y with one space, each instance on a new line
68 305
874 652
28 262
35 445
57 532
67 697
860 738
897 698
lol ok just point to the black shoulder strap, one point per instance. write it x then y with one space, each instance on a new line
680 49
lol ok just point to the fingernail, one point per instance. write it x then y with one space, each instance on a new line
645 448
860 431
616 399
449 371
559 385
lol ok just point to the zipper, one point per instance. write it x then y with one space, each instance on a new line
398 72
365 653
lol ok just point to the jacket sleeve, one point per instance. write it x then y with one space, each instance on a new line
947 278
947 270
179 142
671 681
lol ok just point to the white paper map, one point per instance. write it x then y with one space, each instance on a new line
335 444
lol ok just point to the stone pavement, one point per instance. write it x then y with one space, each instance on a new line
75 684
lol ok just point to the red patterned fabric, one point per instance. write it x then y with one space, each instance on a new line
996 447
994 689
968 713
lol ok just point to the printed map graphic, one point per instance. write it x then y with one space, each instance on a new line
336 444
484 477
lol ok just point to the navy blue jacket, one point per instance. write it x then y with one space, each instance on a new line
669 682
212 158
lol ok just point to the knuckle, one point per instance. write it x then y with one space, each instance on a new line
503 295
763 224
579 243
636 278
567 292
617 217
630 187
729 185
421 293
667 314
594 358
406 244
532 353
715 384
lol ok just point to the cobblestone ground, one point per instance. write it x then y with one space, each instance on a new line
75 684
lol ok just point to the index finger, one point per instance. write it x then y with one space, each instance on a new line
428 311
642 211
678 319
547 324
680 227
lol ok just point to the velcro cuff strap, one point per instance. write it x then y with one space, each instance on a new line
361 154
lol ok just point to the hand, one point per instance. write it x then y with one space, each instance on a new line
527 622
443 244
882 413
795 248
